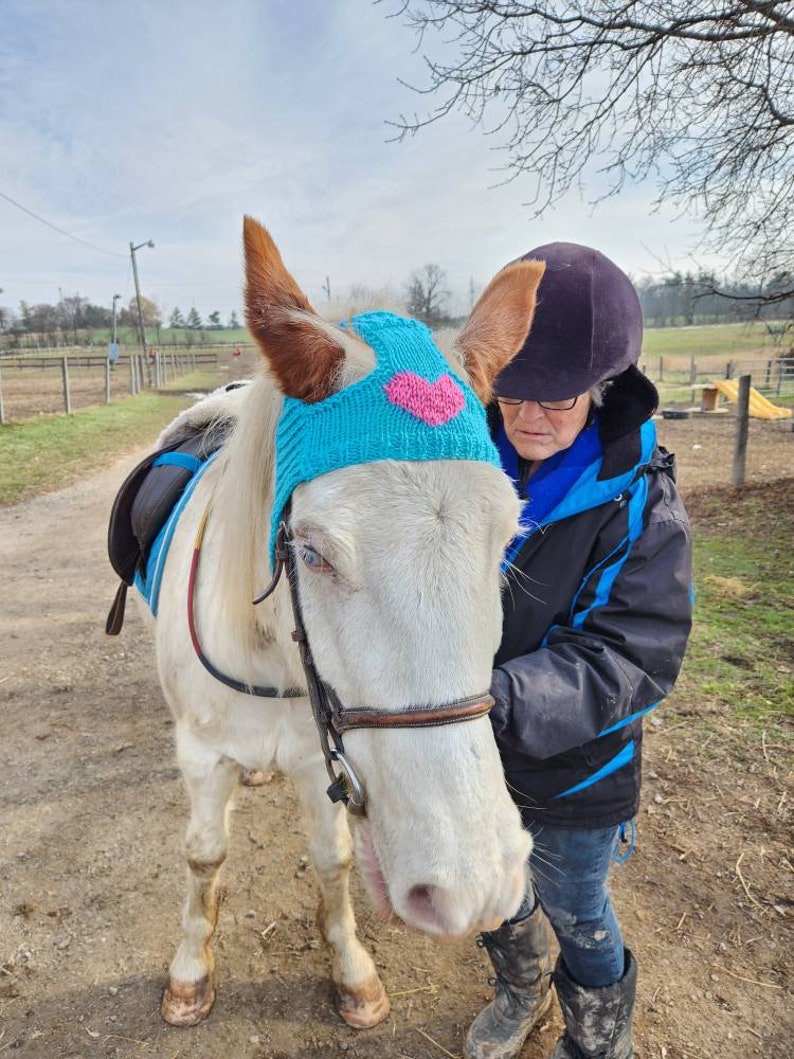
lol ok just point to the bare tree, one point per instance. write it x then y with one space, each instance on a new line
151 314
426 295
697 93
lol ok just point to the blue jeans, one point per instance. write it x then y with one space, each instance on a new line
569 868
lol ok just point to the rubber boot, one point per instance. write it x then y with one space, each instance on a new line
597 1021
519 953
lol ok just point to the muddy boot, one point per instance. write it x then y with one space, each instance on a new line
519 953
597 1021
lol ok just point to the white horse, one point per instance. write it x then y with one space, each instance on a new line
396 565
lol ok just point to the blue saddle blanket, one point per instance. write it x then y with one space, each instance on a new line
148 583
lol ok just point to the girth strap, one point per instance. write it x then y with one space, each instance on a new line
115 618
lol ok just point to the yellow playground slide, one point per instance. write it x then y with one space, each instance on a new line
760 407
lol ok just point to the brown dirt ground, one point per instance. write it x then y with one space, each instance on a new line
93 812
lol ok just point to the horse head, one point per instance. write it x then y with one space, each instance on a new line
397 543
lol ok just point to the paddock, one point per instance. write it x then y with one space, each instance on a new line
94 810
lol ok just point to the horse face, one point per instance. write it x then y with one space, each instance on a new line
399 582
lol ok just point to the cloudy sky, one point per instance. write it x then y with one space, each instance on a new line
170 119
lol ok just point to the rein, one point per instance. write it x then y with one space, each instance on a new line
330 716
266 692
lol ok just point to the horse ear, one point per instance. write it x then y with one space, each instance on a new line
499 323
301 350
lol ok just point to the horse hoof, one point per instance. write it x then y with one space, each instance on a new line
187 1003
364 1007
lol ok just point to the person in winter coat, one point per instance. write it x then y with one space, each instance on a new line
597 611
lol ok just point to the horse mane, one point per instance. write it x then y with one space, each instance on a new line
243 498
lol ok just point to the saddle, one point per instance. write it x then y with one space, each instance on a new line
144 502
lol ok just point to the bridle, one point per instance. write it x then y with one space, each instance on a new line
330 716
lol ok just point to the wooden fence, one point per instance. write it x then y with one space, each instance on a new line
772 376
44 382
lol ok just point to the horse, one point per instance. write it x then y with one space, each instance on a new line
369 663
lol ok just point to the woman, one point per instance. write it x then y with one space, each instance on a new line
597 610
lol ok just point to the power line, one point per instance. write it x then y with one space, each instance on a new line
77 239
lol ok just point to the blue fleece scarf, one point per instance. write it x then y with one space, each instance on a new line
555 476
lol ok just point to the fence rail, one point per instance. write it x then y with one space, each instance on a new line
29 361
773 376
39 382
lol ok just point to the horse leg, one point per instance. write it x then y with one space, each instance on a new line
210 781
361 999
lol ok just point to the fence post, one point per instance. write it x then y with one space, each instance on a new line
742 419
67 399
768 381
729 370
661 369
2 406
693 371
107 381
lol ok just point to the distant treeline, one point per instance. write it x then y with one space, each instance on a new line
673 300
683 299
75 320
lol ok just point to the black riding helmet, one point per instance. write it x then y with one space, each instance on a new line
587 329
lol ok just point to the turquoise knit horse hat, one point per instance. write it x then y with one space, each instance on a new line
412 406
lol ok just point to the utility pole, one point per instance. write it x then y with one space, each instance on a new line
327 287
133 248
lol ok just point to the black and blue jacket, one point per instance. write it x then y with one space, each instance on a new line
597 611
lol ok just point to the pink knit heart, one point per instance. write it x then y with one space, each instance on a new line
435 403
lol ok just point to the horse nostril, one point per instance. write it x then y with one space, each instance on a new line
420 902
446 912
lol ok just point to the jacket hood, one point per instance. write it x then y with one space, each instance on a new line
630 400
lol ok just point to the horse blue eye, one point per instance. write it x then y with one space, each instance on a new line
312 558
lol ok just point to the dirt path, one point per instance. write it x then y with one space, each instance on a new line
91 878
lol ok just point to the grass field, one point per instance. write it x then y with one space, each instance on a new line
718 352
44 454
740 655
723 340
201 381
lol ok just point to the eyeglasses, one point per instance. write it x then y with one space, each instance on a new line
550 406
